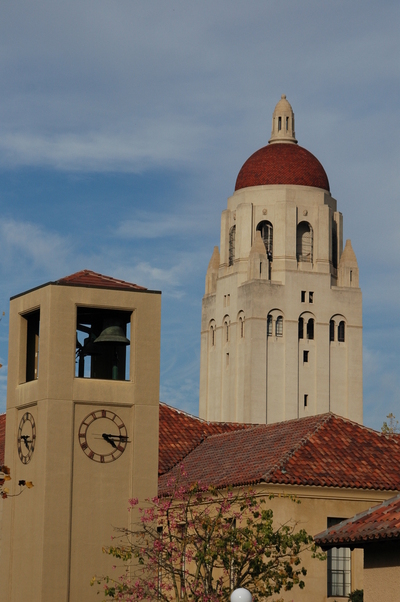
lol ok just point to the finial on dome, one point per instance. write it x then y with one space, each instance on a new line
283 123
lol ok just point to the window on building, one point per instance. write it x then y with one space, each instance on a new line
303 296
341 329
32 344
339 568
232 241
212 334
102 343
267 235
301 328
311 297
279 326
279 124
269 326
310 329
305 356
332 330
305 401
241 324
304 242
226 328
287 123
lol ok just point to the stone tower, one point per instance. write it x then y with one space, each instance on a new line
281 333
82 424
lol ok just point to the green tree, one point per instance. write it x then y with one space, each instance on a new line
198 544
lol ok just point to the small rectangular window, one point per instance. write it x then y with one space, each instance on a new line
305 401
305 356
303 296
227 359
311 297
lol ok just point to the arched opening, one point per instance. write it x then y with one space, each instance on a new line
279 326
232 239
341 331
269 325
301 328
266 230
226 329
310 329
304 242
332 330
212 334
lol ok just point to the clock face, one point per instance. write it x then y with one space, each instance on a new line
26 437
103 436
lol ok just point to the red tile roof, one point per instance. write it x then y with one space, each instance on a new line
2 436
323 451
93 279
180 433
376 524
282 163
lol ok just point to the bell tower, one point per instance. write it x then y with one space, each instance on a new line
82 425
281 333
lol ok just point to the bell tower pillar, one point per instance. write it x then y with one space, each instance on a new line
82 425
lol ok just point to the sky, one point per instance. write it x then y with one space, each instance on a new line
124 124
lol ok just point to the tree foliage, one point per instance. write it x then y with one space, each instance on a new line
392 426
4 477
198 544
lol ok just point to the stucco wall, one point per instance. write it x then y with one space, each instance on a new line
382 572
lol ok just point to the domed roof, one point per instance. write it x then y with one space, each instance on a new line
283 163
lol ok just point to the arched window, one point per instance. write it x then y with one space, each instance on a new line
269 325
279 326
304 242
332 330
212 334
226 329
341 329
266 230
241 325
232 239
301 328
310 329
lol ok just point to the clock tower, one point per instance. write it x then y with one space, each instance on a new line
82 424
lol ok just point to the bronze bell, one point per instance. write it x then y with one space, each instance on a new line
113 333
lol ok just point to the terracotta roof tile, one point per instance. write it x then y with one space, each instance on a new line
95 280
282 164
2 436
180 433
379 523
323 451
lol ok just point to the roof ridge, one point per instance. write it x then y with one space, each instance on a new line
286 457
211 422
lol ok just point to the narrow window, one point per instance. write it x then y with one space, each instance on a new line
287 123
269 326
351 275
311 297
266 230
212 335
339 568
332 330
303 296
310 329
305 356
227 359
341 328
304 242
227 332
279 124
241 320
32 344
232 240
301 328
279 326
305 401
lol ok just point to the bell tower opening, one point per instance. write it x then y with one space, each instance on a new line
102 343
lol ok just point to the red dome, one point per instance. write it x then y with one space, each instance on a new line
282 163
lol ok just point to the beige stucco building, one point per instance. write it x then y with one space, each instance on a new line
82 425
281 333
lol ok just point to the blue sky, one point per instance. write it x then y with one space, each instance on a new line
123 125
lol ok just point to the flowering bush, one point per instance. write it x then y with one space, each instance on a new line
198 543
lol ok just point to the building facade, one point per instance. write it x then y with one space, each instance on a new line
281 333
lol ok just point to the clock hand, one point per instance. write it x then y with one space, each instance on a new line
109 439
26 440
